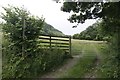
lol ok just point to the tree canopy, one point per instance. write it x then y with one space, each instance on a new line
91 10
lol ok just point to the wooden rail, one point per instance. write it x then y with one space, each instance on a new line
61 42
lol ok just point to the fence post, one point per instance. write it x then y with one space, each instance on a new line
50 42
70 45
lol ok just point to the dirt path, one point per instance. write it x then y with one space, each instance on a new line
92 73
69 64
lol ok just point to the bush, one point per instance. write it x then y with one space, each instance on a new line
108 67
32 66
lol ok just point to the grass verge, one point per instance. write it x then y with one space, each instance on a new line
83 66
107 68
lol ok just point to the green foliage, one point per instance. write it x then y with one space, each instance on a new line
29 67
76 36
107 67
22 29
91 10
52 58
17 22
111 27
84 10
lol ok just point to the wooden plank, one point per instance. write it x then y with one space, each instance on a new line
60 39
66 36
54 42
44 38
63 46
60 43
53 39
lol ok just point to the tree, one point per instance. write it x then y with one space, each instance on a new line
76 36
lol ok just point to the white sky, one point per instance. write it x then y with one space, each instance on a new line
51 12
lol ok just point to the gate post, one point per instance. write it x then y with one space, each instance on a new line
50 41
70 45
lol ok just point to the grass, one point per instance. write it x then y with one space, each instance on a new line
106 68
82 67
86 62
77 46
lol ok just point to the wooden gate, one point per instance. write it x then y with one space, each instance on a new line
61 42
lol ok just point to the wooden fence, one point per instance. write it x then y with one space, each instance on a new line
60 42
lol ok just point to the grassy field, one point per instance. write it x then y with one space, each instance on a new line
78 45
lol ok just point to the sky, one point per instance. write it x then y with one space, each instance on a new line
50 10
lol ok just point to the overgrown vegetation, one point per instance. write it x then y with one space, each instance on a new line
107 67
22 57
